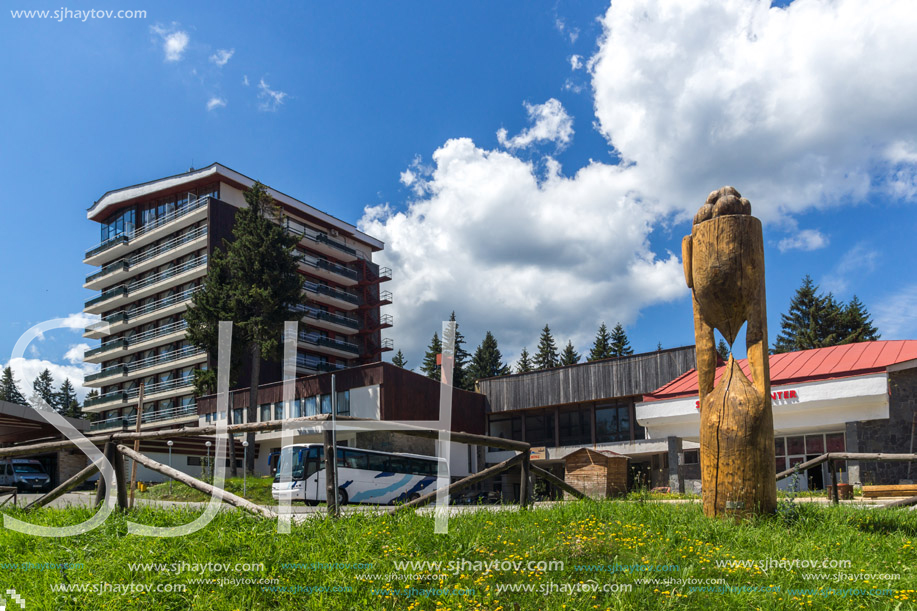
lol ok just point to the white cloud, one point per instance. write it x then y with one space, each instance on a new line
896 315
563 28
222 56
74 354
511 247
796 107
551 123
576 62
245 80
215 103
26 370
805 240
271 100
174 41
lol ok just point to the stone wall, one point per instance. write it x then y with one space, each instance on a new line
69 463
892 435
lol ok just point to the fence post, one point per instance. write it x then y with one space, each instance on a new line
331 488
525 486
834 493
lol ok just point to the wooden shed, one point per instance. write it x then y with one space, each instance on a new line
598 473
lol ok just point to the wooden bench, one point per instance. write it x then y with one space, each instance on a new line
878 492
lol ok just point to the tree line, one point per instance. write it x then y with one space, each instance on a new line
62 400
487 360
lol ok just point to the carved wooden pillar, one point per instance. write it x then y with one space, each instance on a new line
724 265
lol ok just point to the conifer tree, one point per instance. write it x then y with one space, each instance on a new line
524 364
429 366
9 388
254 282
569 356
855 323
601 347
399 361
722 349
811 321
487 361
620 345
546 357
460 377
66 402
43 390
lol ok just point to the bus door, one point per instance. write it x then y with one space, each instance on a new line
314 485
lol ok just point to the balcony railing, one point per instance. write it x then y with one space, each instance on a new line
149 226
338 344
136 285
111 268
157 416
331 292
162 331
118 291
388 343
165 247
386 320
107 372
325 264
167 357
299 229
327 316
308 362
111 319
112 345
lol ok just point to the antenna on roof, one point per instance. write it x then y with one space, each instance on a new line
191 169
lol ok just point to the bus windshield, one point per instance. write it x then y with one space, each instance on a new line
290 458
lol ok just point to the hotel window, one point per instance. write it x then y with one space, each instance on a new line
265 412
278 411
612 423
506 427
238 416
296 409
575 427
539 428
343 405
310 406
326 404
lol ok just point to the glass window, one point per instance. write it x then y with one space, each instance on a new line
265 412
297 409
779 446
311 406
815 444
795 445
506 427
355 460
278 411
781 464
376 462
575 427
612 423
238 416
539 428
835 442
343 405
326 404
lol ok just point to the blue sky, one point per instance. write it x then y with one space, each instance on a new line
617 123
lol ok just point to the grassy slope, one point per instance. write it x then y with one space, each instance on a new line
257 490
579 533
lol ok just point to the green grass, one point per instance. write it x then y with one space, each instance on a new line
578 533
257 490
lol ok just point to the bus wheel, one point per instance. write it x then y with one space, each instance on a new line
414 497
311 503
342 497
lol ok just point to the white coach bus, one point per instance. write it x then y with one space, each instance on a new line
364 476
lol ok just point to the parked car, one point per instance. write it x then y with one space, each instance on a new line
478 497
25 474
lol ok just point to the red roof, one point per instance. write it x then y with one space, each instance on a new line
808 365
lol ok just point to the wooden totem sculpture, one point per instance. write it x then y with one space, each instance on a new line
724 267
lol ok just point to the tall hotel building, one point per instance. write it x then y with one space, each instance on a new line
156 239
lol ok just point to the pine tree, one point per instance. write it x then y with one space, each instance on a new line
722 349
460 377
546 357
569 356
399 361
524 364
43 390
855 324
487 361
429 366
620 345
601 347
65 399
9 388
255 284
811 321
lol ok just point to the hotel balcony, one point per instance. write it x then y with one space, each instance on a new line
142 341
322 242
387 344
113 248
158 418
328 321
142 261
323 268
175 359
326 345
331 296
143 287
153 392
385 321
311 365
174 304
